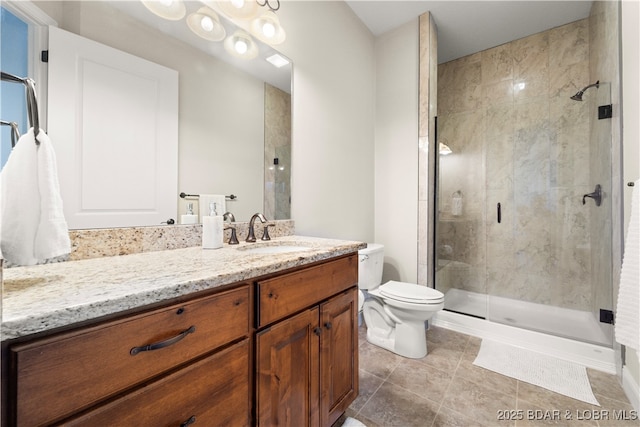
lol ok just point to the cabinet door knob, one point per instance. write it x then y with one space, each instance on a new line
327 325
190 421
317 331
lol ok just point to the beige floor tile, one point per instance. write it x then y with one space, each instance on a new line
548 400
468 371
421 379
532 415
477 402
606 385
446 338
445 389
368 385
616 413
377 361
394 406
449 418
442 357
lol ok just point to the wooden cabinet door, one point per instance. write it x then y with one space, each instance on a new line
287 367
338 355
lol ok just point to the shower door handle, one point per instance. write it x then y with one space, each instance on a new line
499 209
596 196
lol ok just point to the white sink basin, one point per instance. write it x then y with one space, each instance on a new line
273 249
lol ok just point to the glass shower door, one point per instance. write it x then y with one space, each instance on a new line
514 242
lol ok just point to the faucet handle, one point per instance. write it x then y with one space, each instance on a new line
265 233
233 240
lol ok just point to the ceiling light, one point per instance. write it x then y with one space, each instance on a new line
241 45
206 24
239 9
267 28
278 60
172 10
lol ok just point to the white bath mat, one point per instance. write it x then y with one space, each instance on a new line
569 379
352 422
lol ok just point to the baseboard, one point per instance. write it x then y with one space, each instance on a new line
631 388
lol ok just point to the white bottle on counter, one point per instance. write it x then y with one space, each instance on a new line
212 232
456 203
189 217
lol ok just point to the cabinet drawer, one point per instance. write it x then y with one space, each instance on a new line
290 293
59 375
213 391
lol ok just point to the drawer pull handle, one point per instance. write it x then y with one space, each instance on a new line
190 421
162 344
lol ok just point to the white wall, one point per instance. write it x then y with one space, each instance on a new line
630 138
333 119
396 151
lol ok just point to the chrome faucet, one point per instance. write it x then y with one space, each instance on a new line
251 237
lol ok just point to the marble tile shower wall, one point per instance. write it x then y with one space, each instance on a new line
517 140
277 144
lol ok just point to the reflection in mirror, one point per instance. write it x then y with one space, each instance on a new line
276 117
234 115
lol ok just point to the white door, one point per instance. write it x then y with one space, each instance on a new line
113 121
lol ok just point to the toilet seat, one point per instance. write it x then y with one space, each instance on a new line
411 293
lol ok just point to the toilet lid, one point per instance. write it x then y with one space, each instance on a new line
410 292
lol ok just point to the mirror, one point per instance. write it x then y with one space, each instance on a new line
234 114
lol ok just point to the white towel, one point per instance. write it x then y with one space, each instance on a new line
627 325
33 224
206 199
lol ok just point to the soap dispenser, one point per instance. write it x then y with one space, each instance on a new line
212 233
189 217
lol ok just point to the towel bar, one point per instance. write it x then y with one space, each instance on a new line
15 133
32 102
185 195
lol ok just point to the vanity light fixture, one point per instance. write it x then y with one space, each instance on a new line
243 10
241 45
278 60
172 10
267 28
206 24
245 14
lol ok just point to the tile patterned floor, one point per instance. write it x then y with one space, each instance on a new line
445 389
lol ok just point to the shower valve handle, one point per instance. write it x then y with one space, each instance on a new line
596 196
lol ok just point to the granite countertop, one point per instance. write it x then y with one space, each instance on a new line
42 297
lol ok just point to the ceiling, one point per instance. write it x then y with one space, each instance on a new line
466 27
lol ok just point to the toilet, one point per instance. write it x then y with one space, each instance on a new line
395 312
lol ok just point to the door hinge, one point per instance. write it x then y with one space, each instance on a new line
44 56
606 316
605 112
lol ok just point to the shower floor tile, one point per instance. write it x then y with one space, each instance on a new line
445 389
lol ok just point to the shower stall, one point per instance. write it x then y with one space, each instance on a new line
524 185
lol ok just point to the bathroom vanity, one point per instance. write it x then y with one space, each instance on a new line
182 337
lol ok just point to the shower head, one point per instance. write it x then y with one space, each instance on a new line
578 95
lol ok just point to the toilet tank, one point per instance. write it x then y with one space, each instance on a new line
370 263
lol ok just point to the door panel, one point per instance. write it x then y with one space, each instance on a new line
339 355
113 119
287 372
